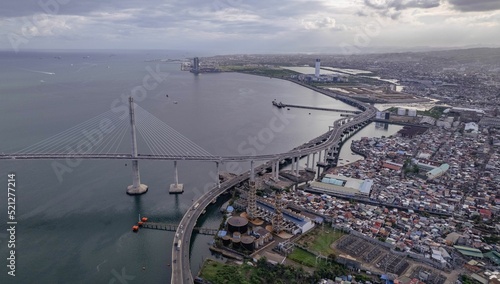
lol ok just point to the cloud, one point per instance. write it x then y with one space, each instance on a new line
235 25
475 5
394 8
401 4
475 20
324 23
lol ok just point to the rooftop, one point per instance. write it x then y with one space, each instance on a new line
467 251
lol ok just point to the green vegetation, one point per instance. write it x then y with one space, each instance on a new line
266 273
468 280
263 272
361 277
409 167
323 239
260 70
434 112
329 271
303 257
320 239
492 240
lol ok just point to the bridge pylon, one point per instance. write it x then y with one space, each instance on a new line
137 187
176 187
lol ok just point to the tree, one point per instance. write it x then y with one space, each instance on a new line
416 169
332 257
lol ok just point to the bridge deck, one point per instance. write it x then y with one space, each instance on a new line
173 228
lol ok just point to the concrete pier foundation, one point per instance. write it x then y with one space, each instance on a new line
176 187
137 187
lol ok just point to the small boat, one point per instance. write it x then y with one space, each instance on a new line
135 228
175 102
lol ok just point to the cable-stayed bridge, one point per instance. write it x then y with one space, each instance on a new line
105 137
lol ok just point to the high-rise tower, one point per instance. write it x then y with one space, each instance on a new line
196 64
317 67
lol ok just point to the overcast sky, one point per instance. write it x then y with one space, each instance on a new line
237 26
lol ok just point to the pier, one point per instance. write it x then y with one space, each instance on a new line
173 228
282 105
164 143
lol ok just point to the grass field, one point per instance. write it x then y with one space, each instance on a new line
303 257
263 71
434 112
320 239
223 273
259 273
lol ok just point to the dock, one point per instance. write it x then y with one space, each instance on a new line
282 105
173 228
226 253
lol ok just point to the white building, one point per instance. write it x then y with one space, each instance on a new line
343 185
317 67
471 129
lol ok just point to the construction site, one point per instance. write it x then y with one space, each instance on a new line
378 94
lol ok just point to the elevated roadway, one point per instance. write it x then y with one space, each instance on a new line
181 271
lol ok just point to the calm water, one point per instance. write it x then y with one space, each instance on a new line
373 129
78 230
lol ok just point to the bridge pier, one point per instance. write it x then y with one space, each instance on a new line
297 166
313 165
273 170
176 187
218 175
137 187
277 177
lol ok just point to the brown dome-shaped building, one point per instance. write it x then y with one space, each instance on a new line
226 240
236 243
237 224
247 242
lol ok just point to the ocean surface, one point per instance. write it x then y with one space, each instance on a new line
77 228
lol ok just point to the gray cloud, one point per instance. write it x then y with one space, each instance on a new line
401 4
475 5
254 26
393 8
